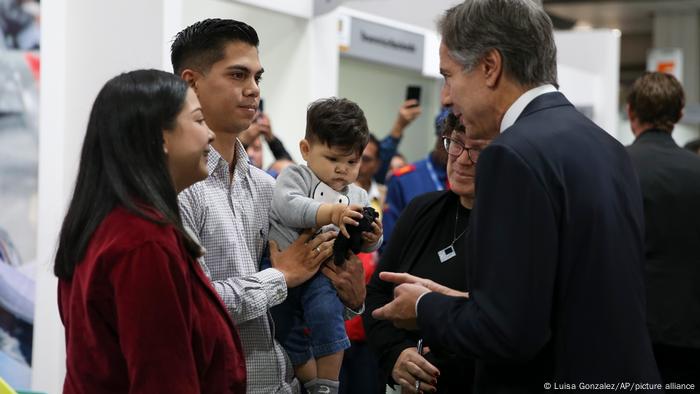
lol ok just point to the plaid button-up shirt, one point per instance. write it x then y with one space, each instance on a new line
231 221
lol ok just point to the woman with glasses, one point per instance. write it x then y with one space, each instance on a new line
427 242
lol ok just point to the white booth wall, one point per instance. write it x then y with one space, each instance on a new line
380 90
83 44
589 72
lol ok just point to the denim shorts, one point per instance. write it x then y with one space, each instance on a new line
310 323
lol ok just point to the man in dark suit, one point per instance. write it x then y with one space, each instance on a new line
669 177
556 293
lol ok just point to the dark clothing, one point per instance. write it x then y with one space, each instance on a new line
278 150
555 260
141 317
678 365
387 150
669 177
421 177
426 226
358 374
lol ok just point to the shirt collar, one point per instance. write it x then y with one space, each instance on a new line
513 113
243 162
215 161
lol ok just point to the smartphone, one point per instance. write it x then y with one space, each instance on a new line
260 106
413 93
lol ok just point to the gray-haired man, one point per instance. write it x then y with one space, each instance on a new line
557 299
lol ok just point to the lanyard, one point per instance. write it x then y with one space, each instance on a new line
433 175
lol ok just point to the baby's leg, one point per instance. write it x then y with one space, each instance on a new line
306 372
323 315
328 366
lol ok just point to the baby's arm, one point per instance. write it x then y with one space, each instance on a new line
294 208
340 215
290 199
371 241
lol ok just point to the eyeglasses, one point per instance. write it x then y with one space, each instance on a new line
455 148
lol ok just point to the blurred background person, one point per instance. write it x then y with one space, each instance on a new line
131 294
397 162
370 164
388 147
421 177
669 177
19 24
255 152
426 242
261 127
277 166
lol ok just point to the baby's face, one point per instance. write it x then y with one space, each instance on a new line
334 166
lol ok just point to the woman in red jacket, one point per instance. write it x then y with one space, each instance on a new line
140 315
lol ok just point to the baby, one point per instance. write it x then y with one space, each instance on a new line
310 322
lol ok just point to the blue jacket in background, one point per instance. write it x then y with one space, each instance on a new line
408 182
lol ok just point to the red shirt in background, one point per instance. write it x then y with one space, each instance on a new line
141 317
353 327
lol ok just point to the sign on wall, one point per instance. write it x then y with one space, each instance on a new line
666 60
378 43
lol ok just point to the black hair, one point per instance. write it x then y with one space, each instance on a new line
202 44
451 123
337 122
122 161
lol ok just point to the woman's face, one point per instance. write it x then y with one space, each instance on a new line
187 145
461 171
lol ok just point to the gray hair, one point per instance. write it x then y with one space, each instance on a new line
519 30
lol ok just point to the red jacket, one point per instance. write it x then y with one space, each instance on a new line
141 317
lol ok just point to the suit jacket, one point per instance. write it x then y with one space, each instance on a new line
669 177
556 251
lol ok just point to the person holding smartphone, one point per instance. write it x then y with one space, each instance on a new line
409 110
423 176
250 137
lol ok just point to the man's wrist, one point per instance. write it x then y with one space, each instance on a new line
359 310
352 312
418 300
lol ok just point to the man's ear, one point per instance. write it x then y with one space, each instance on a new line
492 67
191 77
304 147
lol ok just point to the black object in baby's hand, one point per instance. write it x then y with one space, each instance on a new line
343 244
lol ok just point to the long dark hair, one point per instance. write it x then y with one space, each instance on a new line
122 161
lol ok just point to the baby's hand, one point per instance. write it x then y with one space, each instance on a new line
346 214
371 238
